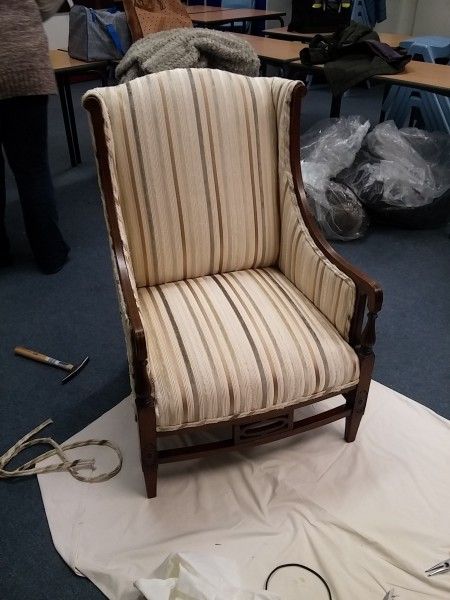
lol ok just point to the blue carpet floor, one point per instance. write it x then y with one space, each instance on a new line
75 313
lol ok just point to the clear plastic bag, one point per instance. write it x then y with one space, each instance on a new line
406 168
327 149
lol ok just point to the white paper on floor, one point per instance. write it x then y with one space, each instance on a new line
369 516
194 576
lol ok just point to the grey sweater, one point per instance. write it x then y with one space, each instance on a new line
188 48
25 68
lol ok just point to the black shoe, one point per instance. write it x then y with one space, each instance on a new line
49 267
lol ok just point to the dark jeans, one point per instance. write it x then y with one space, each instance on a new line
23 138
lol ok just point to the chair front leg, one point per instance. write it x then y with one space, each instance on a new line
357 398
146 418
149 450
149 460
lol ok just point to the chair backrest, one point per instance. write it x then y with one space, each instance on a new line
193 155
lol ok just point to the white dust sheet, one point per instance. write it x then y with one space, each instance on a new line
369 516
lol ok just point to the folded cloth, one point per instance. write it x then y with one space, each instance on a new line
188 48
193 576
352 55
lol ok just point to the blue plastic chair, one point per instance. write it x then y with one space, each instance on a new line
434 108
360 14
369 12
430 47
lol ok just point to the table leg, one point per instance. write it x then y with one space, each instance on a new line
387 89
73 123
65 113
335 110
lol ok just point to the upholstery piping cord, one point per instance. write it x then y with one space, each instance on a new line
72 466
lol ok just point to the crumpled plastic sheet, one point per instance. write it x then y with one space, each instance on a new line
400 168
326 149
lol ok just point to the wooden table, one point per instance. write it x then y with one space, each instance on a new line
64 67
196 9
273 51
430 77
223 17
281 33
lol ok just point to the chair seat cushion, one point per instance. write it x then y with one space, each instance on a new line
238 343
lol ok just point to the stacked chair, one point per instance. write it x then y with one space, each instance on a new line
401 103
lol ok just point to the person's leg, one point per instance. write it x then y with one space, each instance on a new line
24 130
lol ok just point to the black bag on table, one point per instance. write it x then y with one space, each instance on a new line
320 16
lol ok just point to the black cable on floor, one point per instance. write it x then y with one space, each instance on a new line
300 567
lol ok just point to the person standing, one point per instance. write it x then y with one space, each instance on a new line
26 80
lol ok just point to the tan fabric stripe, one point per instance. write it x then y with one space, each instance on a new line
218 342
246 298
305 319
300 338
152 127
252 174
322 327
307 339
259 169
204 171
219 243
199 328
145 187
248 241
226 207
257 335
182 347
171 141
149 296
248 335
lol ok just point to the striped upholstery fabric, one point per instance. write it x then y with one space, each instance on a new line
242 312
194 154
238 343
330 290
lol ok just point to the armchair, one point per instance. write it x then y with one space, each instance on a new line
236 310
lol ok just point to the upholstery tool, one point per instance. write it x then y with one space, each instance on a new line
441 567
37 356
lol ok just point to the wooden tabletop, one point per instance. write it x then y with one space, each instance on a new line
281 33
61 61
273 50
426 76
238 14
196 9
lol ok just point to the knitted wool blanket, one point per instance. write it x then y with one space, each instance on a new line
188 48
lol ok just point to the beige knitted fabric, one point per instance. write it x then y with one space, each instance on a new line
25 68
